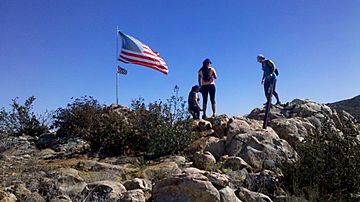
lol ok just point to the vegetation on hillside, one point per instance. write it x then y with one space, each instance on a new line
328 168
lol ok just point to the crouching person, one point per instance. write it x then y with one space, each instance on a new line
193 102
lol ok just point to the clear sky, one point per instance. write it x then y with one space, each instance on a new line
58 49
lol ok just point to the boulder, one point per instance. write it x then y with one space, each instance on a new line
5 197
218 180
204 161
192 171
234 163
216 148
135 195
246 195
293 130
239 125
138 183
228 195
185 188
255 147
72 146
202 143
102 191
69 182
21 192
202 125
219 125
47 140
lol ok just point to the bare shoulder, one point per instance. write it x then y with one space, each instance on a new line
271 61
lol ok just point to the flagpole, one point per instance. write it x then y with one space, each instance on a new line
116 57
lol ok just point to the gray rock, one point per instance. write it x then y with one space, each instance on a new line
69 182
72 146
228 195
204 161
219 124
202 125
235 163
255 147
201 143
185 188
217 179
135 195
21 192
47 140
138 183
217 148
102 191
249 196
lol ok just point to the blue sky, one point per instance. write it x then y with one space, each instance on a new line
56 50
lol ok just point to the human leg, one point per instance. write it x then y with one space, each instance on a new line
204 92
275 93
212 91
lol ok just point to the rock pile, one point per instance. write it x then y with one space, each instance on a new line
234 159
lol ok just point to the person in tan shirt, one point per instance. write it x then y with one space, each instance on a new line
206 78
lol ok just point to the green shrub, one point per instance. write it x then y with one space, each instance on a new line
329 168
163 128
157 128
85 118
22 120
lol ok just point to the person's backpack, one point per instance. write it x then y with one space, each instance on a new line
276 69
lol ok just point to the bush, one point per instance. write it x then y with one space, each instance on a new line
22 120
329 168
164 128
85 118
157 128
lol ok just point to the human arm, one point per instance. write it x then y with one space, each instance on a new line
196 101
199 79
214 73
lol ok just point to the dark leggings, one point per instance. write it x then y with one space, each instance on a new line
208 89
195 112
267 85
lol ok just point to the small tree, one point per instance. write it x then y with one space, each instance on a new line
22 120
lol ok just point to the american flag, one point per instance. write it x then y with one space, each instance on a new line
135 52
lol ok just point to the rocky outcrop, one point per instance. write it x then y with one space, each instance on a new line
299 118
233 159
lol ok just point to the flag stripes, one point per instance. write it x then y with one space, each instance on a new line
135 52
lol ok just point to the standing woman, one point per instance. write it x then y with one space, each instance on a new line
206 78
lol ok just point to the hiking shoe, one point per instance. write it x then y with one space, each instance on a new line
204 116
214 115
278 103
